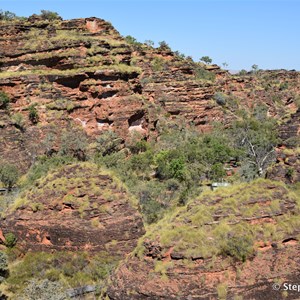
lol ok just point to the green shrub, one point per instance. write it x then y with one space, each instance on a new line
18 120
10 240
239 247
39 274
74 143
149 200
217 172
220 99
290 173
4 100
135 143
222 291
243 72
9 175
108 142
33 114
114 161
179 54
149 43
201 73
292 142
158 64
42 166
283 86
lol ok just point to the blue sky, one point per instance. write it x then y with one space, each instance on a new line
241 33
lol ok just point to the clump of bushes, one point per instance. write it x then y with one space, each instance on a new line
50 15
7 15
168 172
108 142
41 274
133 41
255 136
74 143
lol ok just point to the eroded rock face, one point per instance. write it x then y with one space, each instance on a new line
78 207
83 72
287 167
233 242
137 280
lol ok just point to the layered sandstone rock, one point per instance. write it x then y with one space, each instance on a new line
83 72
78 207
234 242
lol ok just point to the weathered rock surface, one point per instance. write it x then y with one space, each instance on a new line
79 208
287 167
197 252
83 72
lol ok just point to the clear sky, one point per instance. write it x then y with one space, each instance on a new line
238 32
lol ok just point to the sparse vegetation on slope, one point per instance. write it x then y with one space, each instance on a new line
100 126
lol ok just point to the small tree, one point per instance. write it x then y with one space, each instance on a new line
33 114
50 15
206 59
254 68
243 72
7 15
108 142
130 40
257 138
164 46
9 175
225 64
74 143
149 43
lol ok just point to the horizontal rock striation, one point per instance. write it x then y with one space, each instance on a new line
234 242
75 208
83 72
